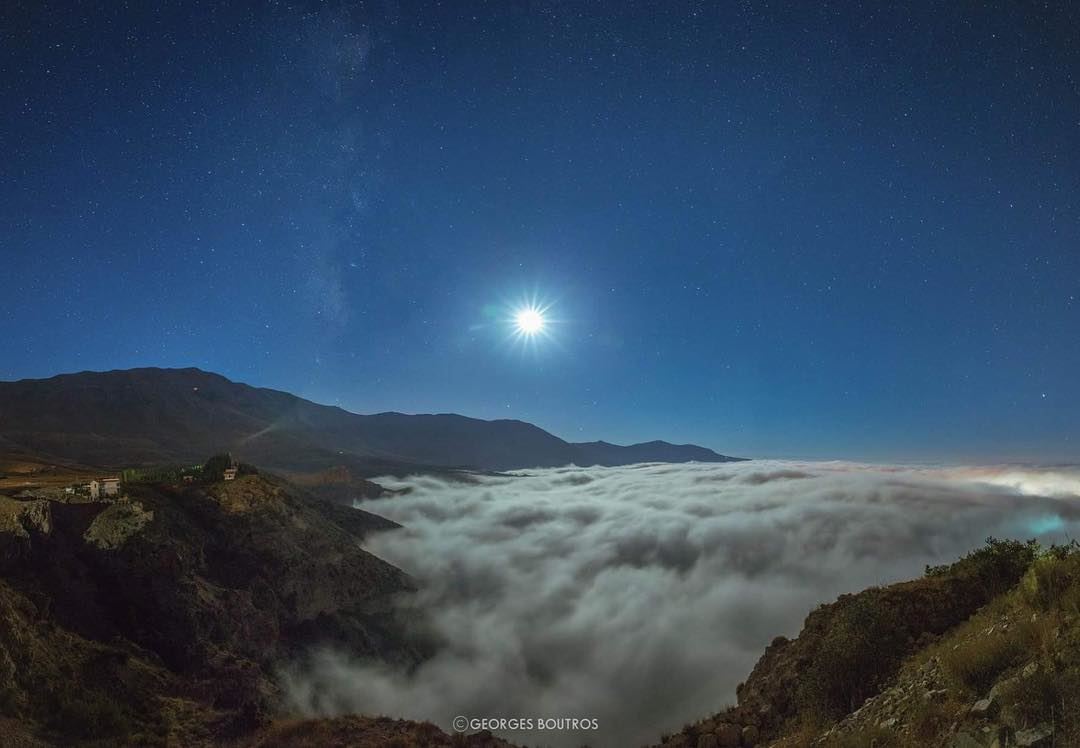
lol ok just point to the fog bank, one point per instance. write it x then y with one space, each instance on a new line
641 596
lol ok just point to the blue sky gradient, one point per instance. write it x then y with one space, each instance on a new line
792 230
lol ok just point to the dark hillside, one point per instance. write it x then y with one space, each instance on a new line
194 593
147 416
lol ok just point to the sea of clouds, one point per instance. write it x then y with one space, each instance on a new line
640 596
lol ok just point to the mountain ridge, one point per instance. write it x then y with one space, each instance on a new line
151 414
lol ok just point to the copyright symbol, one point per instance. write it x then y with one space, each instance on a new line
461 723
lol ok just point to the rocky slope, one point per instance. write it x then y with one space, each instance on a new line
160 617
1009 676
146 416
984 653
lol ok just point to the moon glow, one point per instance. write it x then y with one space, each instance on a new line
529 321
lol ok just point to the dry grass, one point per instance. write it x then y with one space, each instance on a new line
1046 632
984 648
975 664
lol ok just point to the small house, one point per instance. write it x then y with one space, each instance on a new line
110 486
229 473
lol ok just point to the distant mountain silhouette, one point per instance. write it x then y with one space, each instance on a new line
148 415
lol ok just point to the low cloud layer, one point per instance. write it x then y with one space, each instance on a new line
641 596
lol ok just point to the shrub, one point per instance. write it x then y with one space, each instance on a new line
1052 580
995 553
214 469
862 648
996 566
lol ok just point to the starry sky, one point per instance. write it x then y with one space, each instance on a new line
794 229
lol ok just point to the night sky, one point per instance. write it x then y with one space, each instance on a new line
848 230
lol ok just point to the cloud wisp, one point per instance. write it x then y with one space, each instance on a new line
641 596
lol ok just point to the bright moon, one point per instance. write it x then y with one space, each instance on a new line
529 321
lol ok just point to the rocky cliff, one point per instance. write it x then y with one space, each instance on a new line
984 653
161 615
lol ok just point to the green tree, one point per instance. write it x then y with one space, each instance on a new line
214 469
